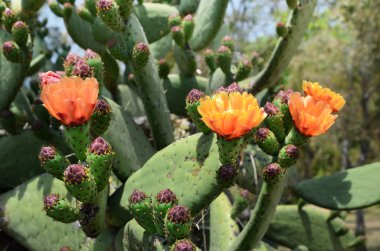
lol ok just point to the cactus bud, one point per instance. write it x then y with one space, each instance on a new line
60 209
53 162
295 137
243 69
164 200
183 245
178 35
241 202
99 158
13 52
192 103
69 63
272 173
55 8
174 20
188 26
80 183
86 14
9 18
226 174
257 60
66 249
82 69
210 60
234 87
117 50
274 121
20 33
140 55
101 118
125 8
227 41
224 59
108 10
163 68
281 101
90 54
288 156
281 29
142 211
229 149
94 61
292 4
267 141
178 222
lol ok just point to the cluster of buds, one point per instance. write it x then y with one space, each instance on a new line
162 215
223 58
181 28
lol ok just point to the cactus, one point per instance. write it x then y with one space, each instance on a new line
116 192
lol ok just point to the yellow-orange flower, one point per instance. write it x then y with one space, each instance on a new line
335 100
231 115
71 100
311 116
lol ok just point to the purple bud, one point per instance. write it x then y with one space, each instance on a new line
47 153
270 109
20 25
166 196
183 245
179 214
71 59
51 200
90 54
271 172
82 69
100 146
284 95
224 49
104 5
227 173
227 39
8 12
209 52
194 96
188 17
102 107
280 25
176 29
137 196
9 46
292 151
142 47
262 133
234 87
75 174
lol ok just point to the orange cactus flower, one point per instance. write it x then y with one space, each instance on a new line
335 100
311 116
71 100
231 115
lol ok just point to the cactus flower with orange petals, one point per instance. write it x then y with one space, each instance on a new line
231 115
335 100
71 100
311 116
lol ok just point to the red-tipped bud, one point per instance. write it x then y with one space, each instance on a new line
227 41
75 174
71 59
234 87
288 156
272 173
178 35
166 196
174 20
140 55
82 69
183 245
163 68
267 141
47 153
100 146
179 214
224 58
51 200
137 197
281 29
13 52
194 96
226 174
271 109
90 54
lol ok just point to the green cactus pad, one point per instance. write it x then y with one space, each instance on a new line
132 148
229 150
29 225
188 163
288 228
223 229
347 190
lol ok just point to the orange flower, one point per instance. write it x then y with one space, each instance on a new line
71 100
311 116
335 100
231 115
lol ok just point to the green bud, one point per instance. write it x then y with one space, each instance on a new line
20 33
164 200
188 26
288 156
267 141
281 29
178 36
192 103
272 173
86 15
163 68
183 245
108 10
117 50
100 119
174 20
281 101
275 121
140 55
53 162
60 209
178 222
224 59
125 8
227 41
243 69
142 210
13 53
295 137
292 4
80 183
210 60
8 18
